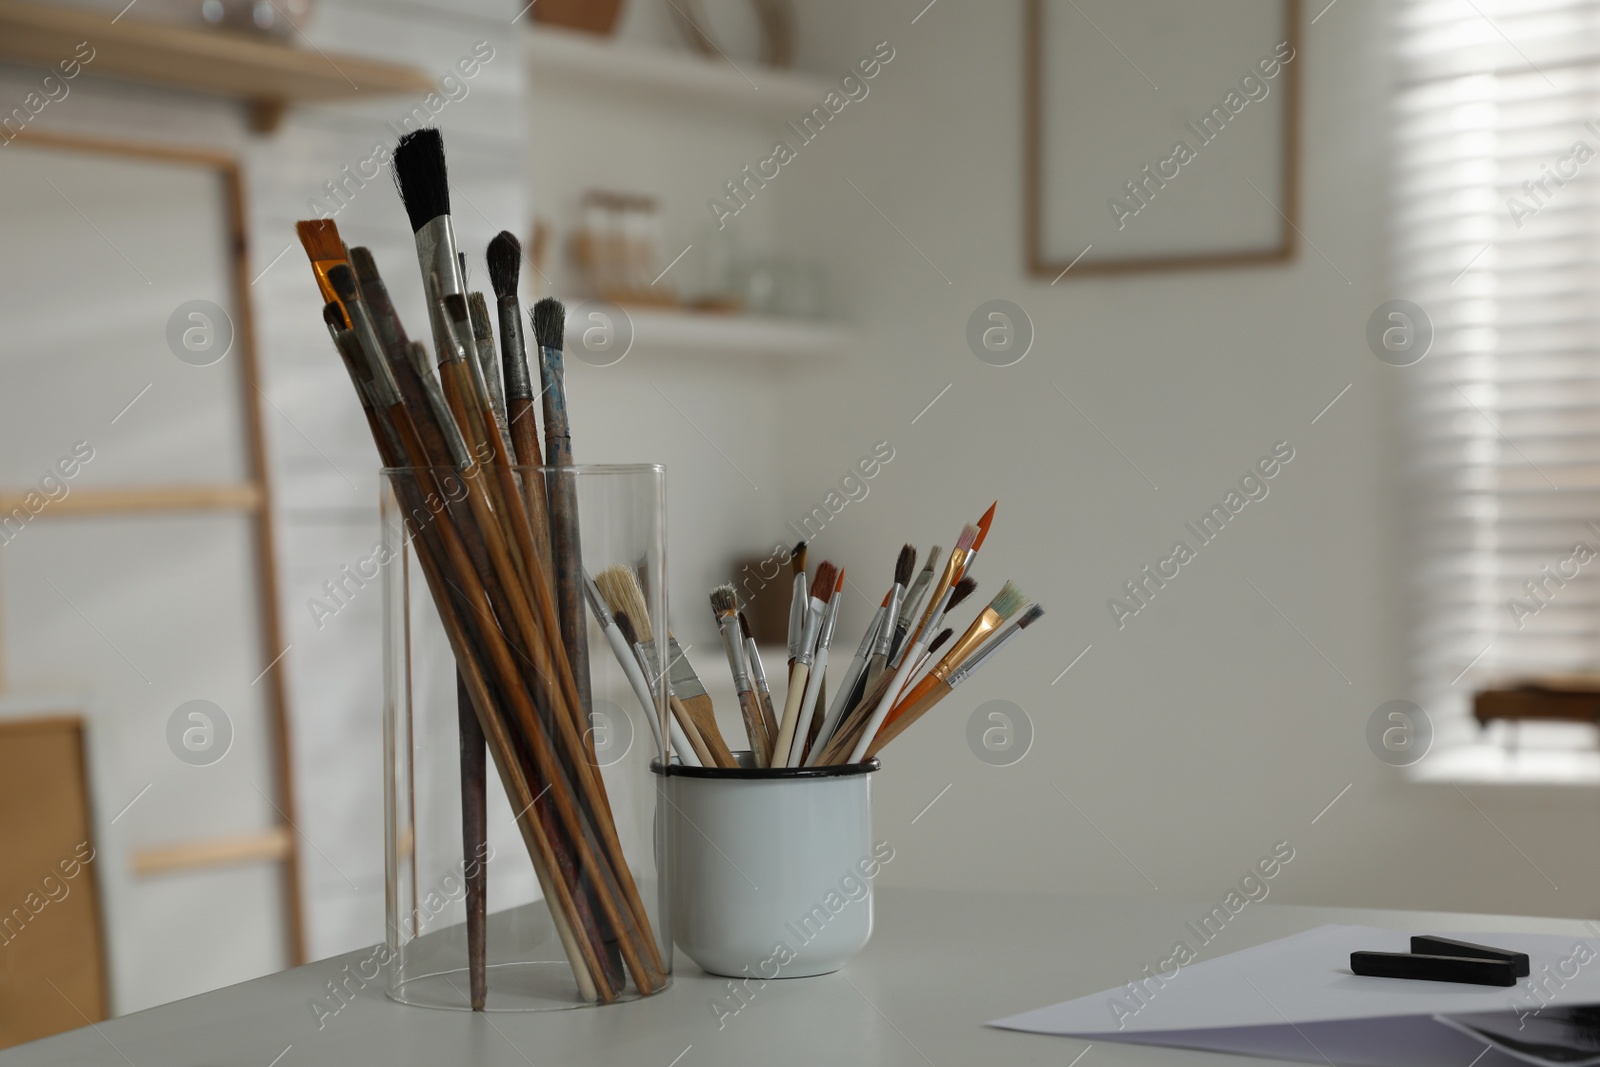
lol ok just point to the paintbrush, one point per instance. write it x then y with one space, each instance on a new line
956 677
758 673
424 183
629 662
488 362
933 646
474 841
822 588
817 668
549 327
505 268
489 589
913 602
683 725
853 676
898 676
621 589
797 601
725 607
883 646
938 599
320 239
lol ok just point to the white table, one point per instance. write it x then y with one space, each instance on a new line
939 965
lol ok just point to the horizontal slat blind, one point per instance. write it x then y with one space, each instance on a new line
1497 237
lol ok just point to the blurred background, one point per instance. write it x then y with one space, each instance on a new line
1107 263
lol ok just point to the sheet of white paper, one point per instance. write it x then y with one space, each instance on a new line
1412 1040
1306 979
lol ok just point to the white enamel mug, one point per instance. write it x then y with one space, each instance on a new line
770 871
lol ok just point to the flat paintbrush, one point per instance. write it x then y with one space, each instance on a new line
504 256
628 660
948 685
622 592
320 239
549 329
685 738
725 608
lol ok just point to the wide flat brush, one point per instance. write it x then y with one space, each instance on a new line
320 239
725 609
504 257
683 725
821 590
929 700
622 592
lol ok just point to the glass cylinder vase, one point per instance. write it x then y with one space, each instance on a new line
493 776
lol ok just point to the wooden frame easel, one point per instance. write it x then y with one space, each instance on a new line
278 844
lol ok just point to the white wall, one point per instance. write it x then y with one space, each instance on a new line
1211 726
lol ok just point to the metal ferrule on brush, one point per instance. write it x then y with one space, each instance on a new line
597 603
808 640
965 671
797 615
875 634
441 274
830 620
885 634
986 623
385 390
758 670
551 370
514 352
733 645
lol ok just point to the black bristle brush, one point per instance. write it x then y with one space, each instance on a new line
561 489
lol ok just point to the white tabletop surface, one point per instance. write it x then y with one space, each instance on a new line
940 964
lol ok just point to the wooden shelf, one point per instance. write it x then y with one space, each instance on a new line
266 76
735 335
581 60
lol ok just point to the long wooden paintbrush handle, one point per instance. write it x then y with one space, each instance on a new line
755 728
503 585
791 711
525 440
692 732
571 720
474 838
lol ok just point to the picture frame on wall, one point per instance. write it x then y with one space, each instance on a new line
1160 136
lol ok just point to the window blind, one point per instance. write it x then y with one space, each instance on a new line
1496 236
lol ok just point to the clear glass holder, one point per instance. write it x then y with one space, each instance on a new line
622 521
